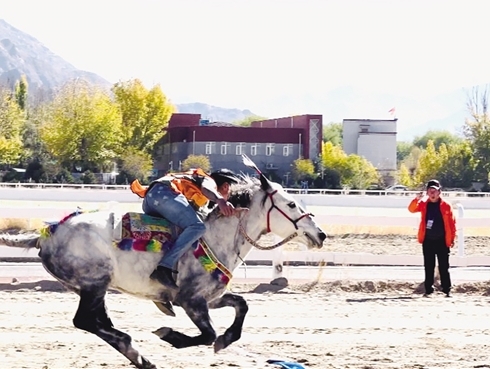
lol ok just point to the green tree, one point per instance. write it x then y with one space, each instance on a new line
197 161
355 171
438 137
429 165
145 113
332 132
358 172
247 122
82 127
458 168
412 160
21 92
12 119
403 150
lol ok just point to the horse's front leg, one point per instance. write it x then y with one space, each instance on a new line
234 332
197 309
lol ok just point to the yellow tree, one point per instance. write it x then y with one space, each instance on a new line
12 120
358 172
404 176
145 113
303 169
82 127
197 161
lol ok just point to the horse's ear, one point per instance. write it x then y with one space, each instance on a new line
264 182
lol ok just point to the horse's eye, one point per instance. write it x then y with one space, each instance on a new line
292 204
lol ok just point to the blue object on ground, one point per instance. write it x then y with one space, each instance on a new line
286 364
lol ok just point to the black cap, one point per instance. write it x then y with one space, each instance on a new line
434 183
224 175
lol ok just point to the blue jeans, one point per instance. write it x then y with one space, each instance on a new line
162 201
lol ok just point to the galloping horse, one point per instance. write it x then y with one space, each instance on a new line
82 256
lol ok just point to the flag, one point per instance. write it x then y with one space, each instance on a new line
392 111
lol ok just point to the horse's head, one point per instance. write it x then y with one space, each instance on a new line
286 217
274 210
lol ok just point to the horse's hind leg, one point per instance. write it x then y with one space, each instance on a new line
197 310
92 317
234 332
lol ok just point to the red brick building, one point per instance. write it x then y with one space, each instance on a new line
273 144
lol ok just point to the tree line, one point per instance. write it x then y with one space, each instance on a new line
81 128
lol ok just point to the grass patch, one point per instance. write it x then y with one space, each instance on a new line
20 224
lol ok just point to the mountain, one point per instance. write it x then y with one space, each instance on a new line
21 54
214 113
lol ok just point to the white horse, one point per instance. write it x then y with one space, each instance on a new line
81 255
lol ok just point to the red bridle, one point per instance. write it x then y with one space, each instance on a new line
270 195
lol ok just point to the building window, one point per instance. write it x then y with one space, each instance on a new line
287 150
175 148
209 148
269 149
224 148
254 149
240 149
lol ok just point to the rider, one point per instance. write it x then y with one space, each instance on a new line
177 197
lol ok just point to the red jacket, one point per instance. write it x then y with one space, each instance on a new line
447 216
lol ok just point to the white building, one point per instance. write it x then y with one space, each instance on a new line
373 139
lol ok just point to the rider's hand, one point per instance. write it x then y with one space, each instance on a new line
419 195
225 207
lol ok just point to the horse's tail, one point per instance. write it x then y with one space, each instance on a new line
23 240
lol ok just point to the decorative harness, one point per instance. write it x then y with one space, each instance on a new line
280 243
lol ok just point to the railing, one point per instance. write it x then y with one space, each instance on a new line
320 191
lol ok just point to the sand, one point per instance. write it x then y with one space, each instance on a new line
364 325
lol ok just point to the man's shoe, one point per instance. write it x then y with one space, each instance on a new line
448 294
164 276
428 294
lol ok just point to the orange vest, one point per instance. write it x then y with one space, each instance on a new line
416 206
184 183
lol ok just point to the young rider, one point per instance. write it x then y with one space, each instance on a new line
177 197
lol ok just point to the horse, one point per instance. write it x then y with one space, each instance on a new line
81 255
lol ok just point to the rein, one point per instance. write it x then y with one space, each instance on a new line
280 243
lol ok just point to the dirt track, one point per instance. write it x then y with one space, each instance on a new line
365 325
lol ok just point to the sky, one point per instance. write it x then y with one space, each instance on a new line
269 56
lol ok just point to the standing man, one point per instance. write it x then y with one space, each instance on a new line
437 231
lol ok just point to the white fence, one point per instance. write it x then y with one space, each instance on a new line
290 190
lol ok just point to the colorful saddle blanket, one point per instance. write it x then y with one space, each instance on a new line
141 232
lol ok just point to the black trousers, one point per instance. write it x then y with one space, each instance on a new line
431 248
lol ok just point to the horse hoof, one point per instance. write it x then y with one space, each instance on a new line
219 344
148 365
162 332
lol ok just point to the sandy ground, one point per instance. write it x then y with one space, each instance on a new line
339 325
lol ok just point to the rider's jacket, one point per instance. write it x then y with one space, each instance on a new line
188 184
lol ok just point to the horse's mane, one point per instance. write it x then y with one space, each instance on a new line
241 193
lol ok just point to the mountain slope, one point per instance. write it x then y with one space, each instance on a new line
214 113
22 54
